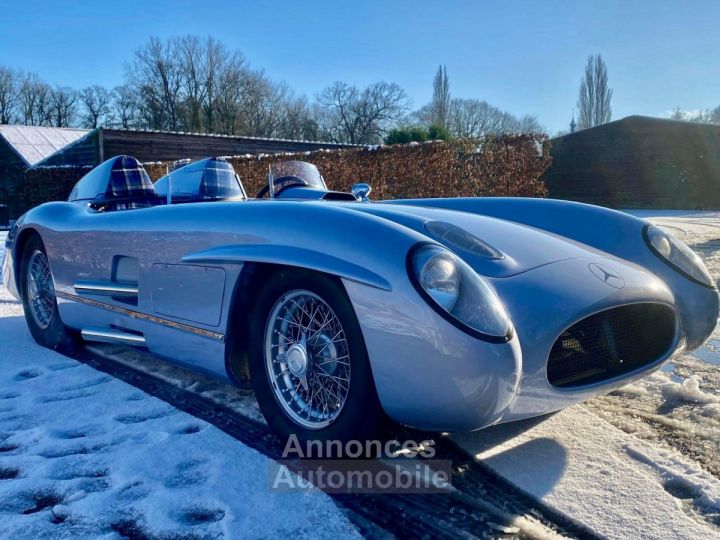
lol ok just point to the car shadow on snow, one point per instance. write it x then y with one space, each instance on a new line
543 460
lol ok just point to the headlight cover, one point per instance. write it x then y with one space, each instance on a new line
678 255
457 293
459 238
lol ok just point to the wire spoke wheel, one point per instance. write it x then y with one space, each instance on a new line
40 289
307 359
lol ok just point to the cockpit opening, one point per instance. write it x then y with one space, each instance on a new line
209 179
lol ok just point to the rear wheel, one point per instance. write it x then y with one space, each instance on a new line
308 362
39 301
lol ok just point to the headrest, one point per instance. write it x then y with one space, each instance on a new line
128 179
218 179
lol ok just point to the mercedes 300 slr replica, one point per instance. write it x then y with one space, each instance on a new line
442 314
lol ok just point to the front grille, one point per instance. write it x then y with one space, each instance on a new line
611 343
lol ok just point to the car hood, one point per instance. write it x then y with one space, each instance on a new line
523 247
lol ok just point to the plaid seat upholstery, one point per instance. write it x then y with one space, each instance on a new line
128 179
218 180
130 205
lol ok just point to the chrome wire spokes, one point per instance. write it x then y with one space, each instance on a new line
40 289
307 359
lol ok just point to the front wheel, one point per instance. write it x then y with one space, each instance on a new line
38 295
308 362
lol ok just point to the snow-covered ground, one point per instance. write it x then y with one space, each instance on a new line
85 455
639 463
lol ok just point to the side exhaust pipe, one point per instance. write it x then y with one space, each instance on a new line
110 335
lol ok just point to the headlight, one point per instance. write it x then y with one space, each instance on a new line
457 293
439 276
678 255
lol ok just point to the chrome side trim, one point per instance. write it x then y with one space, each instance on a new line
109 335
106 288
142 316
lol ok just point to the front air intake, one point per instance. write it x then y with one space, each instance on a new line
611 343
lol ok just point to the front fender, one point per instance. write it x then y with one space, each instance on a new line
289 256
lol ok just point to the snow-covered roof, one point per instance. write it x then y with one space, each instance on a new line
224 136
35 143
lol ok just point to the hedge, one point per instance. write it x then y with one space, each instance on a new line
509 165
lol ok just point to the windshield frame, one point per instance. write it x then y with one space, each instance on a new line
293 173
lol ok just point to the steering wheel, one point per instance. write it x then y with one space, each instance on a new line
281 184
263 191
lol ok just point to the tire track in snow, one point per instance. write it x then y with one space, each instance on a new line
482 504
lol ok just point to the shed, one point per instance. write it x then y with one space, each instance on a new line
22 147
150 145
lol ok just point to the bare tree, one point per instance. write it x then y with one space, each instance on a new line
34 101
8 94
63 106
336 107
124 107
353 115
220 63
714 115
298 121
471 118
96 102
440 105
198 84
260 107
191 53
594 100
422 117
707 116
474 118
156 76
677 114
245 101
226 102
528 124
203 64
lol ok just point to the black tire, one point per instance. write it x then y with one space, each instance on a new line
56 335
361 417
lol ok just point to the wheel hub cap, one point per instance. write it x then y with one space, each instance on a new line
297 359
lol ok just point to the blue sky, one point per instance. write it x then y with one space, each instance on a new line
523 56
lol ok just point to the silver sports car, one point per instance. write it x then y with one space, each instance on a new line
442 314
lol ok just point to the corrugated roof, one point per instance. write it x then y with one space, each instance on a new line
35 143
